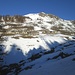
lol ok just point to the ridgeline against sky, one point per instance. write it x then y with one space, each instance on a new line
62 8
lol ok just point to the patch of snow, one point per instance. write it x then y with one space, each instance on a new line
6 27
30 43
37 28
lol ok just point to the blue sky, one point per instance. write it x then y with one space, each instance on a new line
63 8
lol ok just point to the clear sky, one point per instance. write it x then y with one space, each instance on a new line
62 8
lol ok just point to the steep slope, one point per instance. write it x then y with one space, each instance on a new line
52 23
40 60
36 43
60 67
32 25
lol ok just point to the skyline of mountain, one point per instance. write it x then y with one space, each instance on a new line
64 9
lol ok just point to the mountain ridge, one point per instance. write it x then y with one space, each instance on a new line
44 23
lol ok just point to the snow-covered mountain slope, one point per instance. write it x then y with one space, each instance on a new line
58 58
36 43
29 44
35 24
51 22
60 67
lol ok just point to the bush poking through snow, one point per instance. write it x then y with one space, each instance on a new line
73 59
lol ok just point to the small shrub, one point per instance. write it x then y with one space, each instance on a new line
48 59
28 67
35 56
16 37
73 59
48 52
62 55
